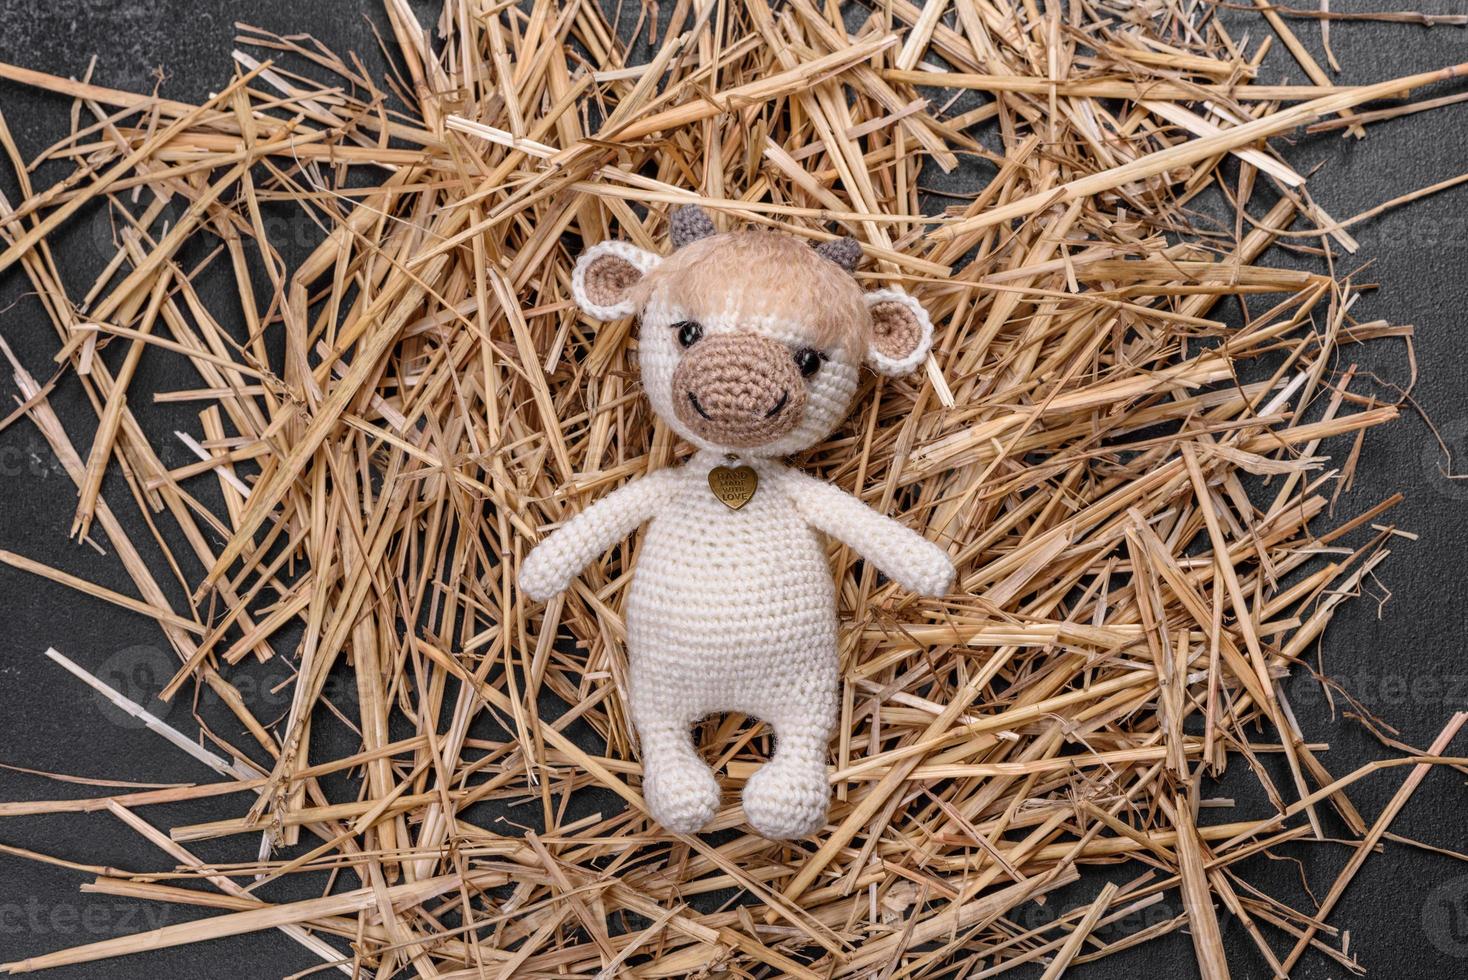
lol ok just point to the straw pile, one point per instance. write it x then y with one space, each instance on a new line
1130 436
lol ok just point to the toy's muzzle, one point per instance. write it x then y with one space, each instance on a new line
740 390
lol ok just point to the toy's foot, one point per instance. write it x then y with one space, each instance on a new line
786 799
682 794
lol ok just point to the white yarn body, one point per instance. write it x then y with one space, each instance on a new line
733 610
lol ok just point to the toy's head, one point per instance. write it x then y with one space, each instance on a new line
751 340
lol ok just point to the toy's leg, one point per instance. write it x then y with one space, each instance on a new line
679 788
787 797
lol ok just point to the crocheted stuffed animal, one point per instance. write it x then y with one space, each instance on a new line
750 345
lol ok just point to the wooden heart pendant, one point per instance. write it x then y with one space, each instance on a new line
733 485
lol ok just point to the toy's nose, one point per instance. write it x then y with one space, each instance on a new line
739 389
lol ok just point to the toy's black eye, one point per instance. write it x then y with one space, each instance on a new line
689 333
808 361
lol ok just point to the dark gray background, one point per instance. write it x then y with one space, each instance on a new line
1407 911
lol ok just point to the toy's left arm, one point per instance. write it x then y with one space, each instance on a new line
552 564
903 555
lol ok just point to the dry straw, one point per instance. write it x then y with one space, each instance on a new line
1137 495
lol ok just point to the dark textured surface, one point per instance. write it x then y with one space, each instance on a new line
1407 911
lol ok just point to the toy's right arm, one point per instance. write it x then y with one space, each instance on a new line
551 565
900 553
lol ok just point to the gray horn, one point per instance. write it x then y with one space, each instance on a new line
689 223
845 252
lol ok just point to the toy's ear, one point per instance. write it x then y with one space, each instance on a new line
902 333
605 274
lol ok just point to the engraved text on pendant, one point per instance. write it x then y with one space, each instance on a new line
733 485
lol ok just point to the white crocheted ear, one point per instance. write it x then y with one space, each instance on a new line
902 333
605 275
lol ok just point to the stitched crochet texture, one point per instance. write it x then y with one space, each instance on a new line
738 390
845 252
610 279
688 224
892 333
735 610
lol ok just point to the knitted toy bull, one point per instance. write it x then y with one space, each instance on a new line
750 344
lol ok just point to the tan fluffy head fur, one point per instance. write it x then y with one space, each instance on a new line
763 274
750 340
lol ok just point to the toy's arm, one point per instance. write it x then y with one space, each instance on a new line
903 555
551 565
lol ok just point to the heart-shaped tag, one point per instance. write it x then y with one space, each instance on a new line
733 485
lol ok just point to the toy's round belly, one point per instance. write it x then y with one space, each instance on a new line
738 584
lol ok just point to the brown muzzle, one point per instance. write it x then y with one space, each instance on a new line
738 390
